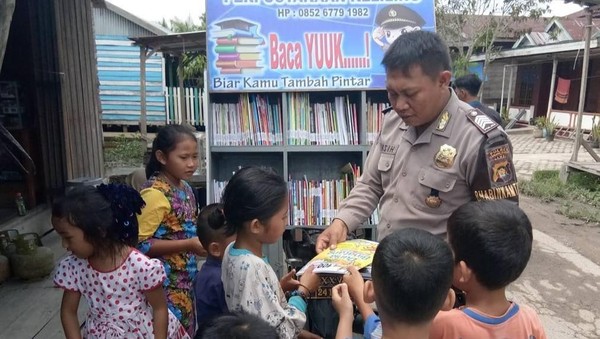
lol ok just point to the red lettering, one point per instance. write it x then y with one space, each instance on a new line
273 42
284 55
337 47
310 41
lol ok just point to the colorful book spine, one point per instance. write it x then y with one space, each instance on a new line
254 121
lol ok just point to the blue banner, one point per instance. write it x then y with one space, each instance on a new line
292 45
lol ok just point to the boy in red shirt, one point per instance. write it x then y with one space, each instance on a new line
492 243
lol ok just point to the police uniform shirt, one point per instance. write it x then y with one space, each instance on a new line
419 181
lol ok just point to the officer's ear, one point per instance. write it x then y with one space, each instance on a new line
444 79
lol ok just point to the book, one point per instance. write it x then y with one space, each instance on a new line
240 41
231 33
238 64
229 49
356 252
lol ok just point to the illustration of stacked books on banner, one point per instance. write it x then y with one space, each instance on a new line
239 47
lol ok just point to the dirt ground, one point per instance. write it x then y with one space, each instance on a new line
562 279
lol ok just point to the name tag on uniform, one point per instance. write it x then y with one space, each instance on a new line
389 149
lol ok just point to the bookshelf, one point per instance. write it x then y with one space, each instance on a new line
307 137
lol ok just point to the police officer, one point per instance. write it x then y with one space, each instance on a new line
433 154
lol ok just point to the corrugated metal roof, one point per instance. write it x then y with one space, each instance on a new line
110 21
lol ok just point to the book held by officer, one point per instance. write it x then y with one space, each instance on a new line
356 252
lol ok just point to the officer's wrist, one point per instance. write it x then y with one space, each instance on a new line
344 226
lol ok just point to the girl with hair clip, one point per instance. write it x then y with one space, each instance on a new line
255 204
123 287
168 222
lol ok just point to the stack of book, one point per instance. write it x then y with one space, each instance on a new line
238 46
330 123
253 121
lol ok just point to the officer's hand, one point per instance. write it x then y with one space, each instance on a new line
334 234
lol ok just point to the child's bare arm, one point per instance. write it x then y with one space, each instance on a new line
343 305
160 247
356 286
160 317
68 314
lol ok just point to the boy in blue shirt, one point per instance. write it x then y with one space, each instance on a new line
208 288
412 274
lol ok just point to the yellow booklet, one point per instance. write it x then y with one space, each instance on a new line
356 252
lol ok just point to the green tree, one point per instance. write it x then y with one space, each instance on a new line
192 63
471 26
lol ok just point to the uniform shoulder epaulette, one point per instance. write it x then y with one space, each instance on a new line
481 121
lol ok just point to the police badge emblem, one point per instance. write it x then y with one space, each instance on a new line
433 201
443 121
445 156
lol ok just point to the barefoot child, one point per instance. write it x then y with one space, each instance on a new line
123 287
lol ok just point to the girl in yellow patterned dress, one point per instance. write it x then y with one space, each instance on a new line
168 222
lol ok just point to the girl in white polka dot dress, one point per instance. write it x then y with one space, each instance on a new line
122 286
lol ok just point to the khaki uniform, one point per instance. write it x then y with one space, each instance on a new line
419 181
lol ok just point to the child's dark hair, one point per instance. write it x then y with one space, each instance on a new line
252 193
412 274
211 224
166 140
237 326
106 214
493 238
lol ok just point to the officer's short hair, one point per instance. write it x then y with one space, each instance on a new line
493 238
422 48
470 83
412 273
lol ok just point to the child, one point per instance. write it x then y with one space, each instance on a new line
208 288
122 286
237 326
168 222
492 244
255 204
412 275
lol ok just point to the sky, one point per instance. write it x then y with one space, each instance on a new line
156 10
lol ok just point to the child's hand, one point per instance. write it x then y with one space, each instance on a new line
309 280
355 284
341 300
288 282
195 247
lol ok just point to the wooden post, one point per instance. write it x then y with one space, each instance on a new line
143 123
552 84
584 77
510 90
183 112
7 8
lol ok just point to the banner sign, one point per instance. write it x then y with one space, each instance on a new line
291 45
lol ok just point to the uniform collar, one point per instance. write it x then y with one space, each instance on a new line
435 127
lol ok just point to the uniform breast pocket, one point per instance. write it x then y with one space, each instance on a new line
385 162
384 165
432 182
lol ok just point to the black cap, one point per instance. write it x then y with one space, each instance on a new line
396 16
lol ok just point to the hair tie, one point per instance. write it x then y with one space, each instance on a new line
125 203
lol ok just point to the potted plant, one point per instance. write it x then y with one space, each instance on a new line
595 135
538 130
549 127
